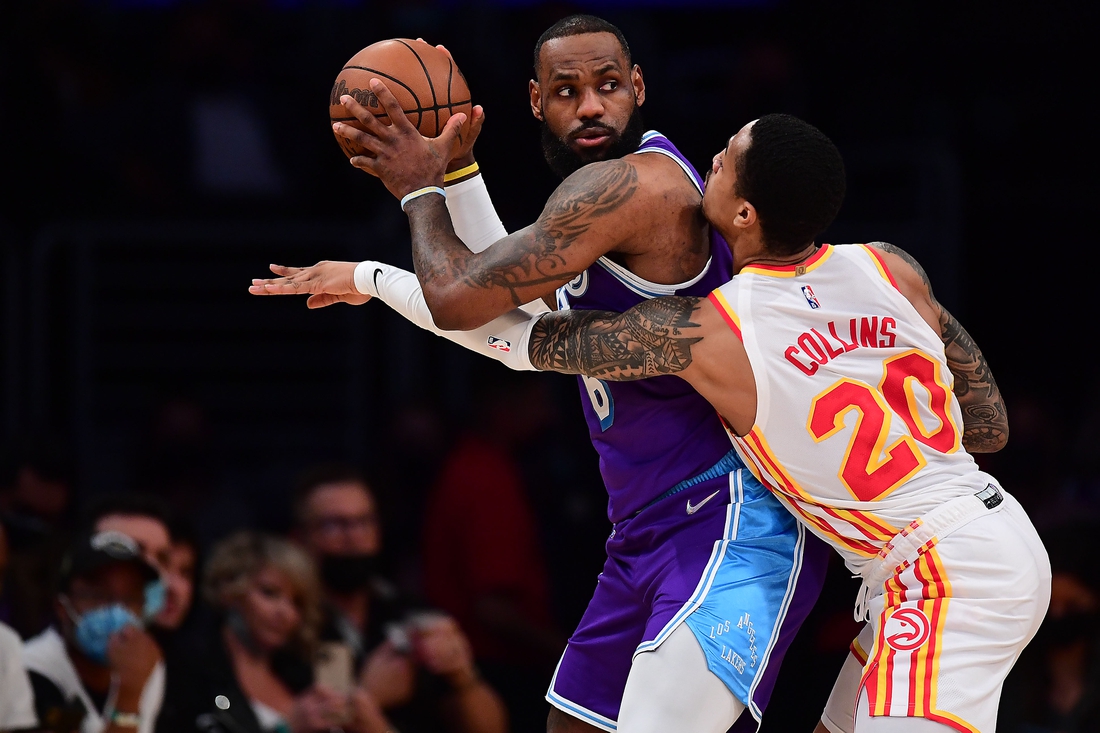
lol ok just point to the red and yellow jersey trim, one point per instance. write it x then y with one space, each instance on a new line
858 652
880 265
873 532
726 311
816 260
931 598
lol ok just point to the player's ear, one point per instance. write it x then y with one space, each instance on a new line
536 99
638 83
746 216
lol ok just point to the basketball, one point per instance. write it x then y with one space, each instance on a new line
425 81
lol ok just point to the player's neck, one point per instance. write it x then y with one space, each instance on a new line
756 253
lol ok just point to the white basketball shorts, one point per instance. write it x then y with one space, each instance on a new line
946 627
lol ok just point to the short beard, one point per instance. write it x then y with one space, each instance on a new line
565 161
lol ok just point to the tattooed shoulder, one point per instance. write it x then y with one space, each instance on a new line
909 260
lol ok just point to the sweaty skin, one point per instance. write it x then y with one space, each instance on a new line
688 337
640 210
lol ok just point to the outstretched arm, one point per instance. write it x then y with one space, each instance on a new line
652 338
682 336
591 213
985 421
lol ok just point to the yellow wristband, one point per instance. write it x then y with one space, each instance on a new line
460 173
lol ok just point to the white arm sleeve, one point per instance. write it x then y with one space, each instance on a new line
473 215
504 339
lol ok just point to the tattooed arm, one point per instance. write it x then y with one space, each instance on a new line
590 214
985 421
653 338
682 336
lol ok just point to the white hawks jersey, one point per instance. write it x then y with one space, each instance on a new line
857 428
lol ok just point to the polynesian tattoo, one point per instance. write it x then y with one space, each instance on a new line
534 256
985 420
652 338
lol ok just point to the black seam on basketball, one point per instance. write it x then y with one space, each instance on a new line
431 86
391 78
419 110
450 78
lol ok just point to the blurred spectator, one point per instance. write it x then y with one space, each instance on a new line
483 561
183 563
1055 685
257 673
16 699
146 520
36 485
419 666
179 461
98 669
35 509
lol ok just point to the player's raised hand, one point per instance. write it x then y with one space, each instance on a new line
464 153
326 283
404 159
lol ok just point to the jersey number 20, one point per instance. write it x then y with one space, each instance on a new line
871 469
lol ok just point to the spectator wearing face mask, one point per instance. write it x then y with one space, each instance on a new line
415 662
98 670
147 520
16 699
257 674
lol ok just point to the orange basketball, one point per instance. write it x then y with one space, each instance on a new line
425 81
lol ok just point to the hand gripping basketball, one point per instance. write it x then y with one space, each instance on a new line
404 159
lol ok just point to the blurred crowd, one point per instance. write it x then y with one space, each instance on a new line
119 612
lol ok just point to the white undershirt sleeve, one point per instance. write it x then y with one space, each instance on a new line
504 339
477 224
474 217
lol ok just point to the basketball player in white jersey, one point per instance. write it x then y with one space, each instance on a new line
857 399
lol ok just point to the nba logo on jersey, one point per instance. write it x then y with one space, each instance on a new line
810 297
499 344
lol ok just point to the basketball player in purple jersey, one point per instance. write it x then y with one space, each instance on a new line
707 577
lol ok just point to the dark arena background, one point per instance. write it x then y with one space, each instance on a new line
158 154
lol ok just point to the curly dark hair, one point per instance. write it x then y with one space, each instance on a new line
576 25
794 176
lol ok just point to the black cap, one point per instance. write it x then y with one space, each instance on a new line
94 550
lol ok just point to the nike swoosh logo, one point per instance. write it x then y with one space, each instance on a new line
693 509
377 272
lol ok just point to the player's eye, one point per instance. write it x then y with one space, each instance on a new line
610 86
565 92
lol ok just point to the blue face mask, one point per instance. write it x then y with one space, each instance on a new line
94 629
154 599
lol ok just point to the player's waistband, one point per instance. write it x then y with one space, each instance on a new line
911 541
726 464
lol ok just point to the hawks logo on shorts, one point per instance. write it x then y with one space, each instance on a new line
907 629
901 674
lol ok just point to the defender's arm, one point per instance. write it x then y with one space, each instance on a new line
985 428
671 335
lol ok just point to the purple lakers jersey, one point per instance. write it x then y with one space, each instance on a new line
651 434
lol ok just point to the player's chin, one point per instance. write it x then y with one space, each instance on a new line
593 153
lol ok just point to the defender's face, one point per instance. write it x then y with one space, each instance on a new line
586 92
721 201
